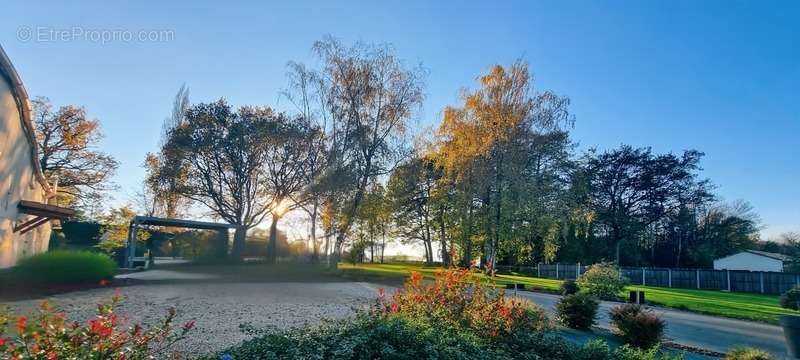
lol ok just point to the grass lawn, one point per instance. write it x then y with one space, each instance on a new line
756 307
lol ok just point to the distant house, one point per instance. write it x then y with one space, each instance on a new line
752 260
24 192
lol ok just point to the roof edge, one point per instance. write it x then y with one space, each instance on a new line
25 114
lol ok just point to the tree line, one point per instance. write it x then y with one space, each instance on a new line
499 180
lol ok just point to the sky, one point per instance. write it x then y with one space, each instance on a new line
717 76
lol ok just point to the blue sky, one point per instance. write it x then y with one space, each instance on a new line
717 76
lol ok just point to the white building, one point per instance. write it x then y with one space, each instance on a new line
24 213
752 260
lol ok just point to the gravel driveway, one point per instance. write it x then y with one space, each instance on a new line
219 308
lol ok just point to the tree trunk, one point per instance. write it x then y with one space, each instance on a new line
617 231
272 245
383 244
443 238
466 259
371 251
313 233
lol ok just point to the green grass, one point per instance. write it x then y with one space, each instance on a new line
755 307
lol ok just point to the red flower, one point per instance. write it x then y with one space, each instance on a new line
52 356
21 323
188 325
3 341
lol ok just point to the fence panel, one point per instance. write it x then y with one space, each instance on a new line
632 274
745 281
684 278
778 283
734 280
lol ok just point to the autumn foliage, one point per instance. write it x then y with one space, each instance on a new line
457 299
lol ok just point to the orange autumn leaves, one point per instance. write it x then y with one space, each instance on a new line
458 299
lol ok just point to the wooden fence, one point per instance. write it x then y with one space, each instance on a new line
729 280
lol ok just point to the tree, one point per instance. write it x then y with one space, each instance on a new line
165 172
491 137
67 140
632 189
224 153
411 188
304 93
370 97
287 146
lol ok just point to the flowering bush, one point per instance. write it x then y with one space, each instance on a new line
602 280
455 317
457 299
49 335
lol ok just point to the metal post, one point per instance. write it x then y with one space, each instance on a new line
697 274
538 270
728 272
669 275
556 270
578 270
761 280
644 277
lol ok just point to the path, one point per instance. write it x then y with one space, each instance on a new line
703 331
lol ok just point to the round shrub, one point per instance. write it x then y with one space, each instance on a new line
748 354
66 266
637 326
602 280
577 310
791 299
569 287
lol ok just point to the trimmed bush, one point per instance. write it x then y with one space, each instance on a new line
791 299
748 354
637 326
602 280
577 311
66 267
569 287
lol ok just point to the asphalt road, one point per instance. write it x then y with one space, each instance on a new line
702 331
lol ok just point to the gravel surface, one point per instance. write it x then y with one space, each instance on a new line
219 309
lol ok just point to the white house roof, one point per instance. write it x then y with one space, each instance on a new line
8 72
770 255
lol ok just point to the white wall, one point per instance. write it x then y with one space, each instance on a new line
748 261
17 182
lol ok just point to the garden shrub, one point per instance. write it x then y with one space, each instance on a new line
66 266
791 299
637 326
602 280
457 299
456 317
569 287
748 354
49 335
577 311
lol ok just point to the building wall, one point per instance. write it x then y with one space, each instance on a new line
17 182
748 261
